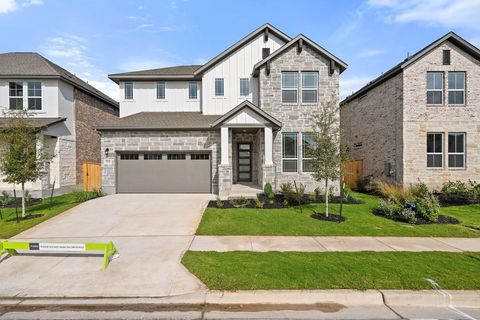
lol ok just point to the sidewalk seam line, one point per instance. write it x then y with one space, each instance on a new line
379 239
319 243
447 244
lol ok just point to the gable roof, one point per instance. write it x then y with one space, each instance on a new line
308 41
451 37
31 65
247 104
279 34
35 122
178 72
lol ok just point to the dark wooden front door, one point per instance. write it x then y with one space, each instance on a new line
244 164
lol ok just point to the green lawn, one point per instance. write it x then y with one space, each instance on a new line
59 205
334 270
360 221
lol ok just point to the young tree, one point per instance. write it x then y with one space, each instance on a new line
22 159
328 151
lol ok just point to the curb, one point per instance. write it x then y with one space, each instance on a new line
432 298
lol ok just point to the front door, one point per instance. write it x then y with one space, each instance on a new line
244 166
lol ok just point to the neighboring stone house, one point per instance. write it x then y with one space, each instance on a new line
421 119
64 107
242 118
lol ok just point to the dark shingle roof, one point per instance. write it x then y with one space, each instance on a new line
169 72
161 120
35 122
33 65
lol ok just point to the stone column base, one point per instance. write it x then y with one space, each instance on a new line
224 181
268 176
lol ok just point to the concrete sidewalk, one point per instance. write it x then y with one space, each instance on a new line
322 244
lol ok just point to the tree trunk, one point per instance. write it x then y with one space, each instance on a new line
23 200
326 197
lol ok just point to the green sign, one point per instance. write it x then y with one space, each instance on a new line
109 250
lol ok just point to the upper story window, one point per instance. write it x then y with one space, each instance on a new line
34 96
192 90
309 87
128 90
434 88
289 152
161 90
244 87
289 87
434 150
16 95
456 88
456 150
219 87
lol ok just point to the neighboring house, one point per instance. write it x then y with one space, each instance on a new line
420 119
64 107
243 117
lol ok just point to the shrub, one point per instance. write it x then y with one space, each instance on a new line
258 203
241 202
286 187
460 191
6 199
219 203
317 193
82 196
386 208
426 204
28 198
393 192
268 191
408 215
365 184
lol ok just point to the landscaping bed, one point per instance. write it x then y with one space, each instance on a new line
442 219
334 270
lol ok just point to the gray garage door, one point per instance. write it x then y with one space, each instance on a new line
157 172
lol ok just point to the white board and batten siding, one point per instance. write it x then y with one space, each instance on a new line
246 117
145 98
231 69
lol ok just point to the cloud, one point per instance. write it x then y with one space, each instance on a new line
370 53
447 13
351 84
28 3
7 6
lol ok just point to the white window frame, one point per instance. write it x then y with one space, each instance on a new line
16 97
218 93
35 97
125 97
436 90
457 90
246 80
303 150
313 88
442 143
293 88
161 84
296 151
457 153
191 83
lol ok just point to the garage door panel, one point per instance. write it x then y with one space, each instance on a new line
170 176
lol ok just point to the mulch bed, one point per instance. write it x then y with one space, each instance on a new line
455 200
331 217
28 217
278 202
442 219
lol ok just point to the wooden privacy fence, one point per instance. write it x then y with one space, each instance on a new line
352 172
92 176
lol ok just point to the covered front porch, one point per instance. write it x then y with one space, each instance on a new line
246 148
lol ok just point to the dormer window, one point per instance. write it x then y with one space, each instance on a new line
192 90
161 90
219 87
128 90
16 95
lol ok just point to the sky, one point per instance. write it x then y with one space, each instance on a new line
93 38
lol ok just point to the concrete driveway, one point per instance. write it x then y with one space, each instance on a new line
151 232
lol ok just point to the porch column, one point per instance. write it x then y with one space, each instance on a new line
268 146
224 145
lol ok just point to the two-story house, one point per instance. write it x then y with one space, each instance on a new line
243 117
420 119
63 107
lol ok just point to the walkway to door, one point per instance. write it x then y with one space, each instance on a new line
245 189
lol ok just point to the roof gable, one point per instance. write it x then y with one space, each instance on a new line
247 113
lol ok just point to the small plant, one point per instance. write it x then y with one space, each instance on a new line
268 191
393 192
286 188
317 193
365 184
285 203
312 197
271 202
331 192
6 199
408 215
28 198
385 208
219 203
426 204
460 192
258 203
82 196
241 202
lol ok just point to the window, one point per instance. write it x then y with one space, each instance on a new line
244 87
199 156
16 95
446 57
128 90
219 87
289 154
161 90
308 144
265 52
192 90
289 87
456 87
434 150
434 87
128 156
152 156
456 150
34 96
176 156
309 87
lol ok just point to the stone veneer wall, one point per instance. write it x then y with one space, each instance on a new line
420 118
89 112
372 127
294 117
158 141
